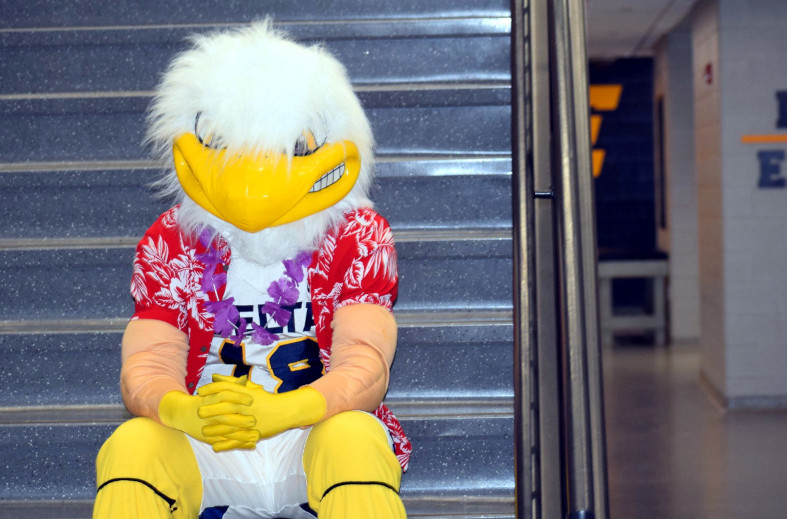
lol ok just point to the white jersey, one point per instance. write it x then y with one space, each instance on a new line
279 350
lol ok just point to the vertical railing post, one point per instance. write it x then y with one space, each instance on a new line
584 441
587 206
525 408
550 443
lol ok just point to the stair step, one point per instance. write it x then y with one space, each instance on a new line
69 204
433 363
67 284
60 369
110 59
468 275
452 457
460 456
437 234
85 283
449 407
453 362
119 202
431 507
92 13
109 129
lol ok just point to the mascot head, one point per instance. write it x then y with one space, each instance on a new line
270 145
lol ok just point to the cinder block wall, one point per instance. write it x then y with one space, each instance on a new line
753 70
739 70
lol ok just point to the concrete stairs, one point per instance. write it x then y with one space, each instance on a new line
75 81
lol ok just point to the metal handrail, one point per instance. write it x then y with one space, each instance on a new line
576 14
554 251
525 397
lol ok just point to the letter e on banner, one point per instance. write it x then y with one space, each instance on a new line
770 168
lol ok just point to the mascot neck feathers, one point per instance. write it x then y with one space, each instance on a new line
269 142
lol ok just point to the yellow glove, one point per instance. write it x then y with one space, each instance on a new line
188 413
270 413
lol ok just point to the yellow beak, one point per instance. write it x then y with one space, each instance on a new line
266 190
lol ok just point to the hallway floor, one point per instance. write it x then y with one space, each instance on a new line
673 454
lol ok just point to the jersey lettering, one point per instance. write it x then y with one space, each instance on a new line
231 353
301 317
271 337
295 363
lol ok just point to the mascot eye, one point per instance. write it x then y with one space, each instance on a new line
205 137
306 145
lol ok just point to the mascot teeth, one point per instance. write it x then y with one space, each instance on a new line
328 179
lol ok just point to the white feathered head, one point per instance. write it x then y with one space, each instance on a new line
271 146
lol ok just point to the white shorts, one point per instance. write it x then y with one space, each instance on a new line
264 483
267 482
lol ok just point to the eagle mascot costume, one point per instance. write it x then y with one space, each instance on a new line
259 351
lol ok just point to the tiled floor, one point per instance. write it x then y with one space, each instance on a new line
673 454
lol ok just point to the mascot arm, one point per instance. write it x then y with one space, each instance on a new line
152 384
364 343
154 358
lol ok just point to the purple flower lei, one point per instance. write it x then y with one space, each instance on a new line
283 293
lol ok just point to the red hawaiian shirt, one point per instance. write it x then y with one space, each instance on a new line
355 263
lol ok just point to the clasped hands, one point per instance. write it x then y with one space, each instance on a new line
235 413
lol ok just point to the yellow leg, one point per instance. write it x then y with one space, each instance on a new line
147 470
351 472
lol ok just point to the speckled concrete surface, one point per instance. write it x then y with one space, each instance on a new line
425 365
121 202
61 369
120 58
33 13
67 369
65 284
105 129
78 204
57 462
94 283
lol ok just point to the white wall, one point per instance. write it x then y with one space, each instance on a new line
753 56
673 83
738 65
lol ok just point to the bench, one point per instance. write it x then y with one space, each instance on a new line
650 265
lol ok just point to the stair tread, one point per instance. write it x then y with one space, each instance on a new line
97 203
406 409
434 506
451 364
112 129
38 13
85 283
132 58
56 462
